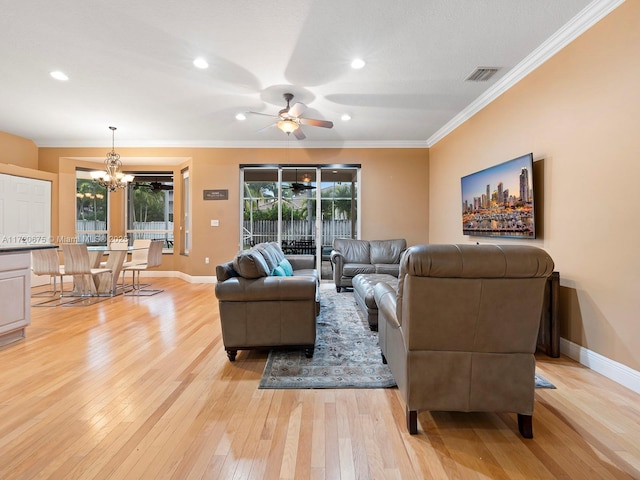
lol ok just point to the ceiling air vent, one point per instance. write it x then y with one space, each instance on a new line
482 74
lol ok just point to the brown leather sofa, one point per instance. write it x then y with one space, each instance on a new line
261 309
460 332
351 257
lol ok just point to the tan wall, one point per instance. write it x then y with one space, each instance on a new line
394 193
18 151
578 114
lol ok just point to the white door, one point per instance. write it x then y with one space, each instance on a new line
25 213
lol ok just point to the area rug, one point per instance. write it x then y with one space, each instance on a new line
542 382
346 355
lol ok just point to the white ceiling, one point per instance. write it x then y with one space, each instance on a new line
129 65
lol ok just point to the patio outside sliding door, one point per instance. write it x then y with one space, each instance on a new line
303 208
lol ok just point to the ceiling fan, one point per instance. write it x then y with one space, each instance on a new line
298 187
290 119
153 186
157 186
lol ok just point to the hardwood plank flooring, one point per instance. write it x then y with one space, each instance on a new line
141 388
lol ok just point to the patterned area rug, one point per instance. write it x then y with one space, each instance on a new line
347 354
542 382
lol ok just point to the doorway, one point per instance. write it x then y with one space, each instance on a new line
303 208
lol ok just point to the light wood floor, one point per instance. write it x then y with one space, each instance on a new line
135 388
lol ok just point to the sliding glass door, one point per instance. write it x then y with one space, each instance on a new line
303 208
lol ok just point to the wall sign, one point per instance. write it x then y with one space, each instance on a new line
215 194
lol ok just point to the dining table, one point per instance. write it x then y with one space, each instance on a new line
106 283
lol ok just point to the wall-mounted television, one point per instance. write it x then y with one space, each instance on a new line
498 201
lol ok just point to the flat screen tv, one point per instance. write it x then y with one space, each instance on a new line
498 201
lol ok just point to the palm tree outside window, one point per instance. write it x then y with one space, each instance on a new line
91 210
150 208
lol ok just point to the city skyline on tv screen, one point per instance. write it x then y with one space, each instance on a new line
498 201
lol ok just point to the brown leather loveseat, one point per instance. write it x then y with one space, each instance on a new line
460 332
264 306
351 257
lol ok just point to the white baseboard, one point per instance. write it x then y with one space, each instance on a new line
613 370
180 275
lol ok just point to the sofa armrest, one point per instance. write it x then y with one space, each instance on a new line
385 297
336 257
238 289
301 262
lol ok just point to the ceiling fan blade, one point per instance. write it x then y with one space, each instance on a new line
297 109
266 128
299 134
263 114
316 123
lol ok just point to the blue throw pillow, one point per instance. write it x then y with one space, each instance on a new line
278 272
286 266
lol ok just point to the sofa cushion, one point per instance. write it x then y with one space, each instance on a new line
251 264
387 251
353 251
388 268
353 269
274 247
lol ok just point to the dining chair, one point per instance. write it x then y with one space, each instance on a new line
154 259
139 256
46 262
115 244
77 263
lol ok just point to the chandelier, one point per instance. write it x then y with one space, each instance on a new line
112 178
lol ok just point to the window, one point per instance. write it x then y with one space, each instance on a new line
186 213
91 210
150 208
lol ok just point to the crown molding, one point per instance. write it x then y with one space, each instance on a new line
256 144
584 20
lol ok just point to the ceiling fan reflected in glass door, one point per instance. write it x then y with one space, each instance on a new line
301 182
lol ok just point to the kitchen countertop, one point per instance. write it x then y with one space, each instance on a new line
15 248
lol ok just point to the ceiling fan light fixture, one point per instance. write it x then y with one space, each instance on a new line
345 117
306 178
287 125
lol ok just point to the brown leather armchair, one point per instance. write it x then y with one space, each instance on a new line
461 331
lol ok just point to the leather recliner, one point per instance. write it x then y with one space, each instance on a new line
460 332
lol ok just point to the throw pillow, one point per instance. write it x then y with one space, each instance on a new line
278 272
251 264
286 266
268 254
277 251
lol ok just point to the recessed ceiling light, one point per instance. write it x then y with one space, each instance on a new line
201 63
345 117
358 63
58 75
241 116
